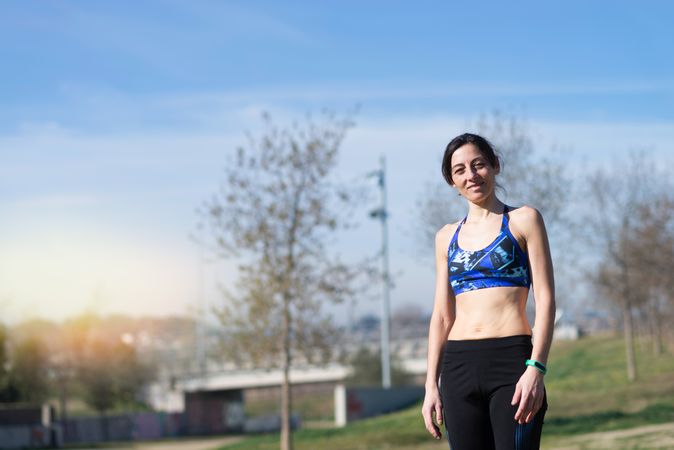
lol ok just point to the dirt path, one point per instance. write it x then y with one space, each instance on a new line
659 436
182 444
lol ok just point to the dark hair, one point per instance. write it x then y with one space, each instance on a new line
482 145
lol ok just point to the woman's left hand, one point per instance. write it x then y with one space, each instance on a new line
529 393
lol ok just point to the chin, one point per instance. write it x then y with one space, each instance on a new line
476 197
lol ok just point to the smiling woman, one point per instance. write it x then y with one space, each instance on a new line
485 378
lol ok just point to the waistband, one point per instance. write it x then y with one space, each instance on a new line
488 344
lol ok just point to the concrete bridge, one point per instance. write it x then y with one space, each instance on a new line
169 394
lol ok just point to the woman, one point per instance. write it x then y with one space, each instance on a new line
485 378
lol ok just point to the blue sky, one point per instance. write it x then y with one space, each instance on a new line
116 117
561 59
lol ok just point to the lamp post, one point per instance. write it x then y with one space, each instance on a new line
200 356
382 214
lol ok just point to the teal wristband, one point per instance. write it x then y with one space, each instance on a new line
538 366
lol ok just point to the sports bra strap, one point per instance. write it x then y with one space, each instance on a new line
456 233
504 222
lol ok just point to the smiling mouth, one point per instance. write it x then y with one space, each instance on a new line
474 186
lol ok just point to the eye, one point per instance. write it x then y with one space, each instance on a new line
458 171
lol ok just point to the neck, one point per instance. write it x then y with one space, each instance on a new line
478 212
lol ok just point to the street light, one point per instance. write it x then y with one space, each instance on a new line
382 214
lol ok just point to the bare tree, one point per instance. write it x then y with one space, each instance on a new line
626 222
650 248
276 210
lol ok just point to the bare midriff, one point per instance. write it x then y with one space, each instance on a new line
489 313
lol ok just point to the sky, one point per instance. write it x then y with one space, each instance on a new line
116 119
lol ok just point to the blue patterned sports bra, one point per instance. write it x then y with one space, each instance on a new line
501 263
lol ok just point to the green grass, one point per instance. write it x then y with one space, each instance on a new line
311 406
587 391
77 408
609 420
589 377
403 428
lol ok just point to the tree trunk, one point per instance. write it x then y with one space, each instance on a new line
63 405
106 432
286 438
656 332
286 431
629 341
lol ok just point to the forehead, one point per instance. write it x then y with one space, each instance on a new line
466 154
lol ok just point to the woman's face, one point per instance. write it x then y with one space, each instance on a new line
472 175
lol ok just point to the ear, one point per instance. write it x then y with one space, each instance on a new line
497 168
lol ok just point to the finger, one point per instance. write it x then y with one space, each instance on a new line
517 395
430 426
523 408
530 410
427 420
435 432
532 413
520 408
438 414
534 410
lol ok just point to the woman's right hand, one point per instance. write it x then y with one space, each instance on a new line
432 404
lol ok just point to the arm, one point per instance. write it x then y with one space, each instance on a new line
530 389
442 320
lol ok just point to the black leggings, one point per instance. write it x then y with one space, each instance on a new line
477 384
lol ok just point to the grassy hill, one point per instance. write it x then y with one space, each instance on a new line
587 392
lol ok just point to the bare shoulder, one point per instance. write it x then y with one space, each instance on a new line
444 235
526 220
525 213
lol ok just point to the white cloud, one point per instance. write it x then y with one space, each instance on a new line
105 109
55 201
